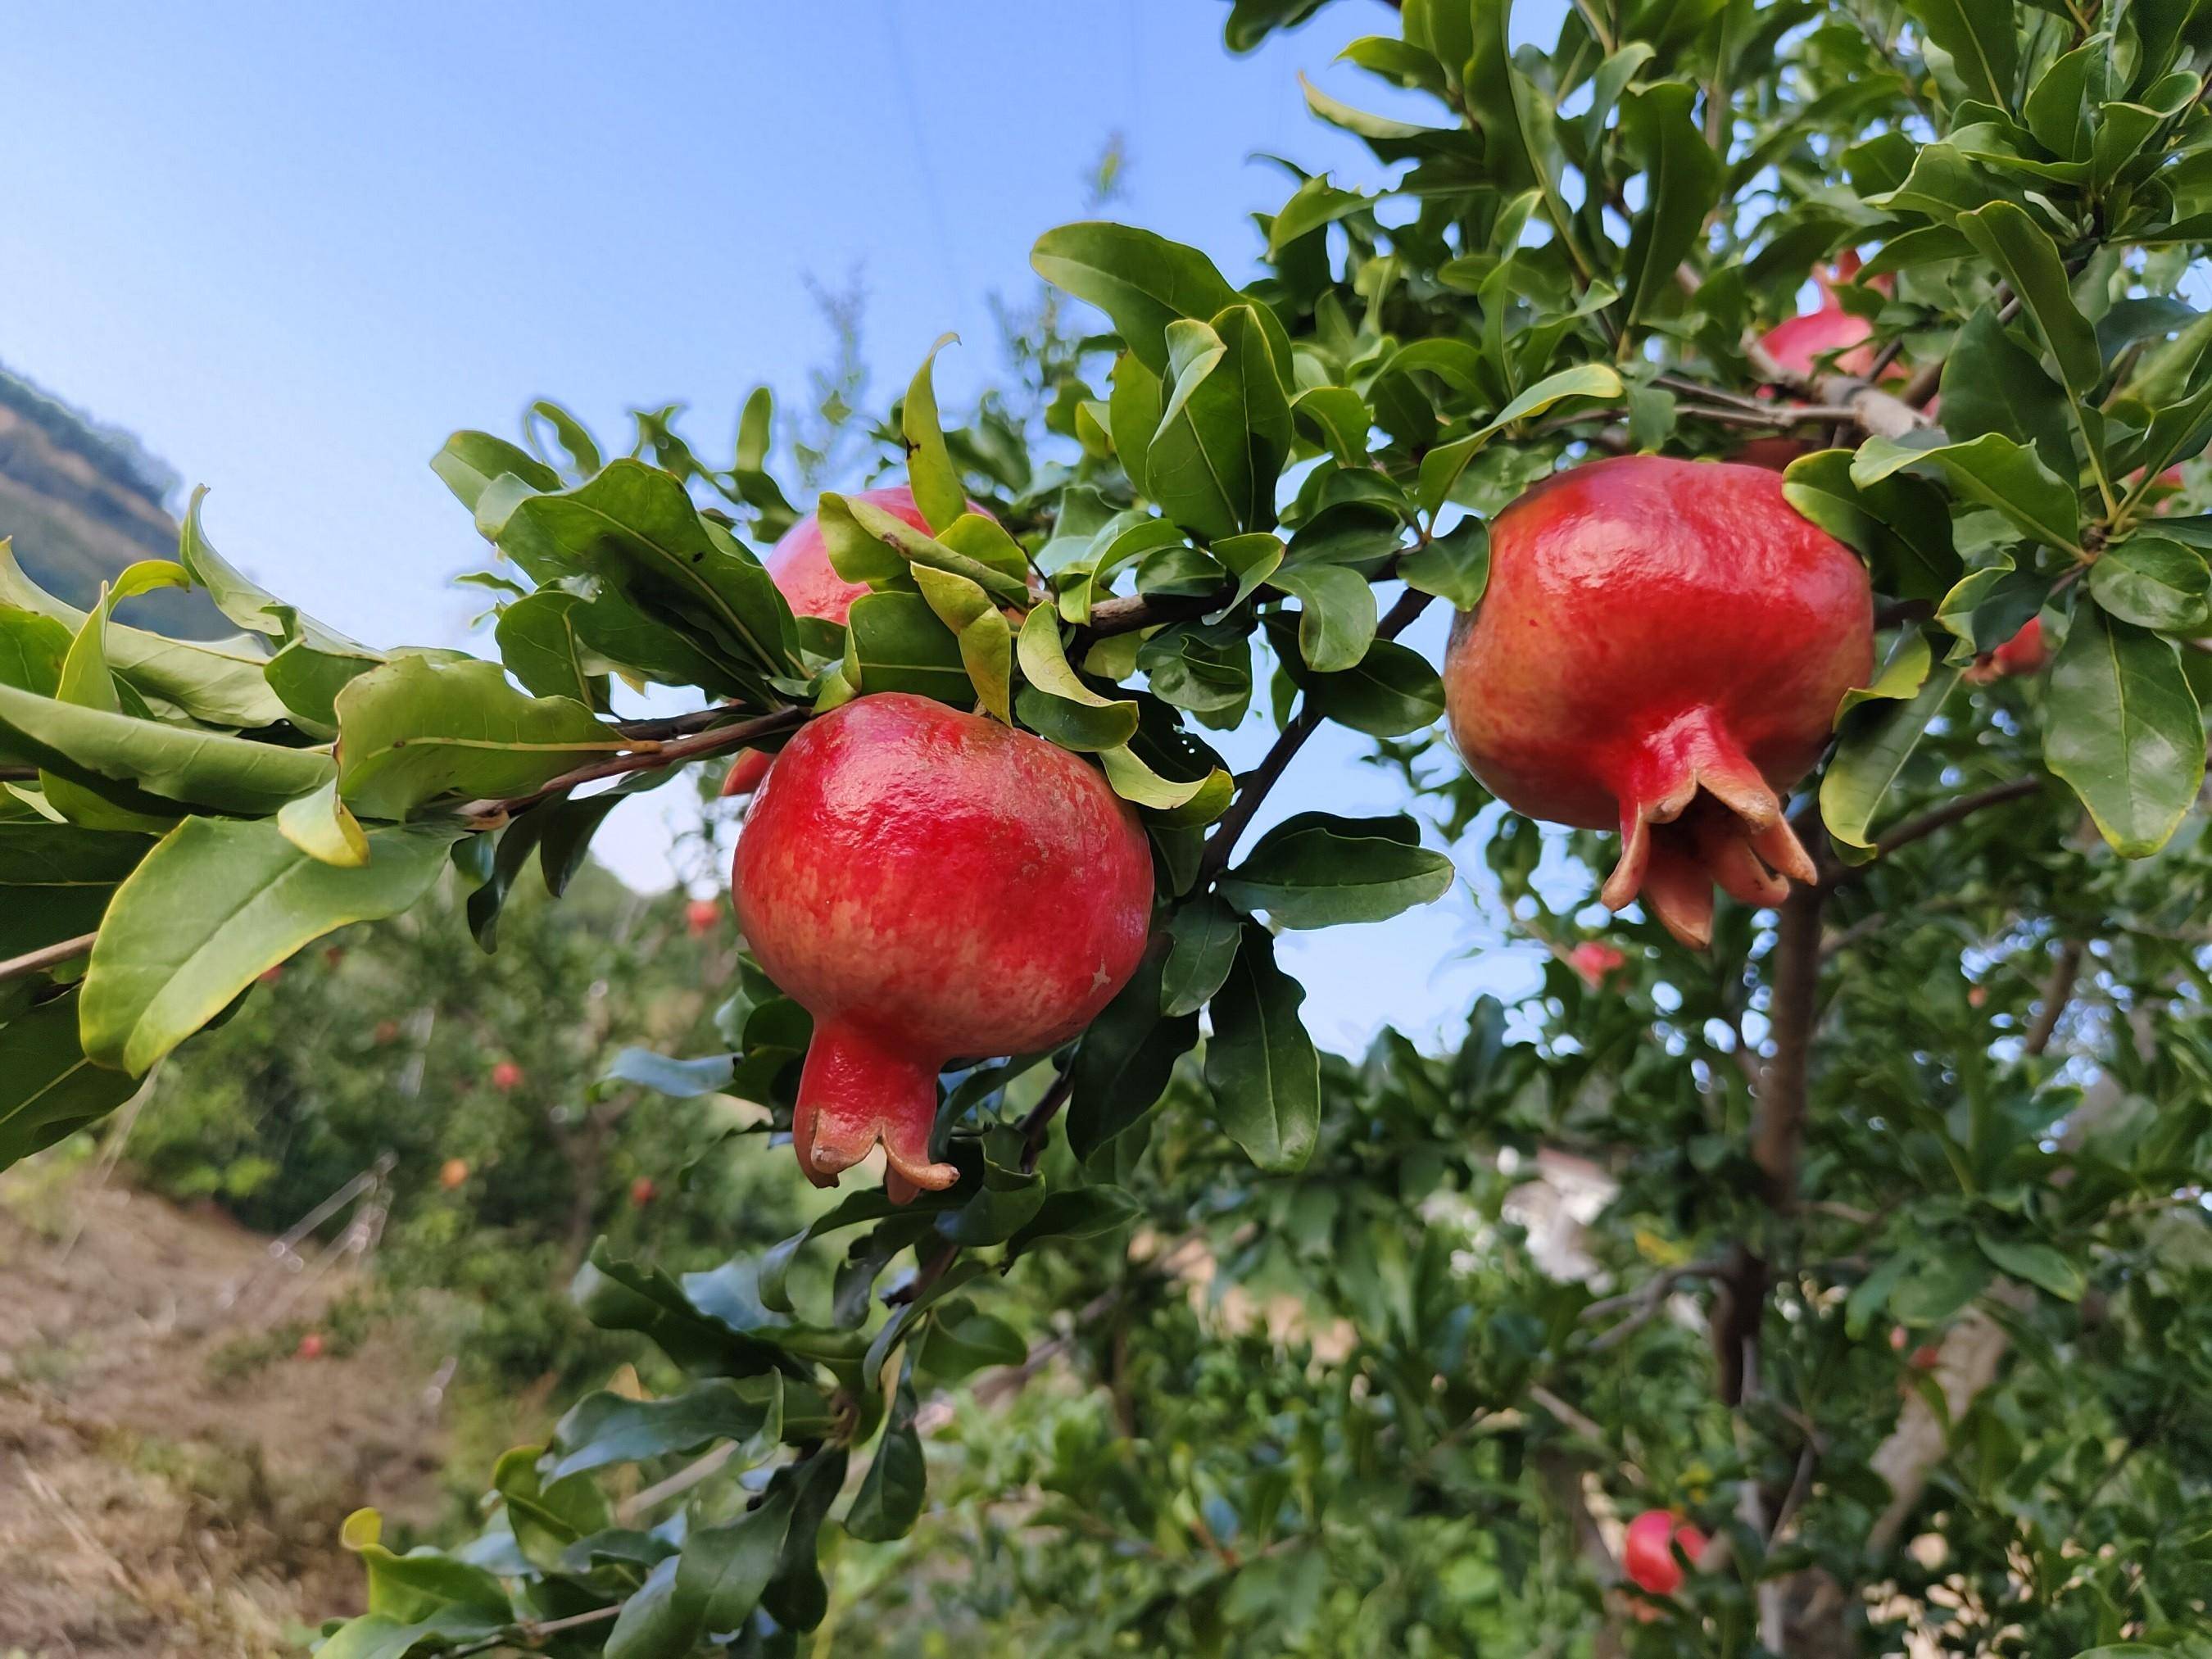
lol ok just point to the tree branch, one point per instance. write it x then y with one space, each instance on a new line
491 814
1779 1134
1871 408
50 955
2057 992
1943 817
1221 845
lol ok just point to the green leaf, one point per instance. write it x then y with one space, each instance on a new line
986 643
1315 204
1205 669
244 601
415 731
1455 566
1901 525
2040 1265
1124 1059
930 465
1057 703
1992 470
605 1428
2154 582
469 463
1336 613
1184 801
1225 428
961 1341
1339 417
870 544
1978 37
540 642
2024 254
214 904
895 642
202 768
680 1079
1262 1068
1202 940
1392 692
1992 385
1682 182
48 1088
1069 1216
1133 412
1877 742
891 1496
56 881
2123 727
1441 467
633 526
321 826
1316 870
221 683
1140 280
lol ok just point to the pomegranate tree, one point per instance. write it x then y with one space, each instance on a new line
1660 650
931 885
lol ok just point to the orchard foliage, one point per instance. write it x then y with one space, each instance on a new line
1957 1087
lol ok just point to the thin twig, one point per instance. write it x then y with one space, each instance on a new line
1037 1127
48 956
1943 817
2057 992
534 1631
490 814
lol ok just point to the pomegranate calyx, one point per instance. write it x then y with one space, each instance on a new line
858 1089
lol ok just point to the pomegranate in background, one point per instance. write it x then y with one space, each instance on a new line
1648 1558
1596 961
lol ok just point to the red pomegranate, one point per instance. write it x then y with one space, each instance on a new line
702 916
453 1172
931 885
1660 650
1649 1555
1800 344
800 563
505 1076
2024 653
643 1191
1596 961
311 1346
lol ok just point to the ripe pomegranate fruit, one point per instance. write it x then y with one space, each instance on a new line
1649 1555
702 916
453 1172
1662 648
1596 961
799 564
642 1191
2024 653
311 1346
931 885
1800 344
506 1077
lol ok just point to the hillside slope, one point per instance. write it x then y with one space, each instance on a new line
82 501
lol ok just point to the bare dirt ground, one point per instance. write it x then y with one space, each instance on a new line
172 1480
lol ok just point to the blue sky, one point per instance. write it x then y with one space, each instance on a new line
293 247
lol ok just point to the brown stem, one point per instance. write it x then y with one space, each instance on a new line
1253 787
48 956
1779 1134
2057 992
1943 817
1037 1126
491 814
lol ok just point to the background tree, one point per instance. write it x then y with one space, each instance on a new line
1951 1094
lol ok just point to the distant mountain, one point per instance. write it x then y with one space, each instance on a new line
82 501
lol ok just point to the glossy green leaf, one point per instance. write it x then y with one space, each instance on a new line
1992 470
1336 613
892 1492
1056 703
1225 428
1978 37
1202 941
1877 742
1391 692
1261 1065
2040 1265
214 904
1126 1056
415 731
48 1088
321 826
1140 280
1682 181
1441 467
1455 566
895 642
2154 582
1316 870
1991 384
2123 727
604 1428
540 643
937 488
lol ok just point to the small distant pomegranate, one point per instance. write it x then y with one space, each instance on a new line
1648 1557
452 1173
799 564
931 885
2024 653
1596 961
505 1076
1800 344
702 916
311 1346
642 1191
1662 649
386 1032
